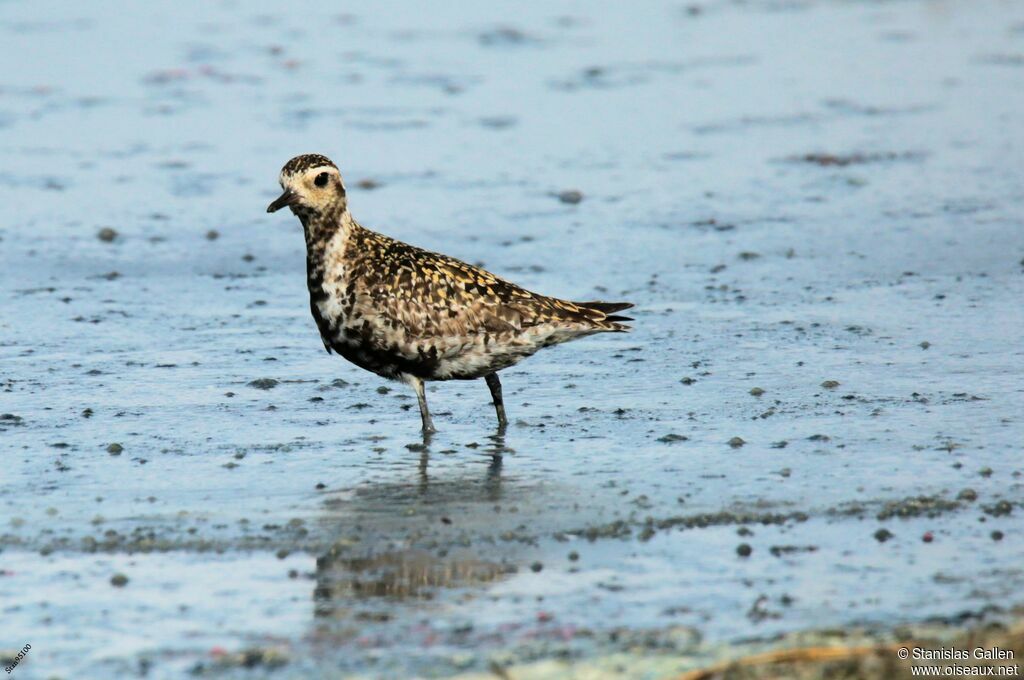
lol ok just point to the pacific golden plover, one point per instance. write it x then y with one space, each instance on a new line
409 314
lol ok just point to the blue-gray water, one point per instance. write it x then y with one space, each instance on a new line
791 193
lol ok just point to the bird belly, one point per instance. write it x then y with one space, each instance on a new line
475 364
483 354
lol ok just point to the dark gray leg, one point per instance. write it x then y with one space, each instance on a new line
421 396
499 404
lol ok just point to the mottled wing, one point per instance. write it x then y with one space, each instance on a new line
435 296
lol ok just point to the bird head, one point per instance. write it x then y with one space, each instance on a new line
312 187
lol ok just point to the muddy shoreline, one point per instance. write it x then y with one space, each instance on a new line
815 425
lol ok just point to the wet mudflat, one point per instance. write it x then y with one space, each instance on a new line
816 206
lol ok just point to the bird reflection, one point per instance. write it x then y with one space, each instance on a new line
406 540
496 448
344 583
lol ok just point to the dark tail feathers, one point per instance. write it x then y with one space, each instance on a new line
608 308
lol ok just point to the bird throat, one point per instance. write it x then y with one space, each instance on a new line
325 234
320 227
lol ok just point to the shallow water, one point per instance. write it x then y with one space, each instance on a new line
791 192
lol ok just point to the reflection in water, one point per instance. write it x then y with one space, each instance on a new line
492 481
404 574
498 447
396 540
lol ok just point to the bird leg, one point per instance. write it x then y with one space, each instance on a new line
421 396
499 404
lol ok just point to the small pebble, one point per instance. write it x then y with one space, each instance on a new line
744 550
212 235
574 556
115 449
997 535
106 234
264 383
830 384
672 437
736 442
756 391
119 580
928 537
1001 508
536 567
883 535
570 196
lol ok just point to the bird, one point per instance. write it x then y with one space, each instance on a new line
413 315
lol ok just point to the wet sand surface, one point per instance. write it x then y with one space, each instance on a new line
818 421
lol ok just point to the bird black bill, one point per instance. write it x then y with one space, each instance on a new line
285 199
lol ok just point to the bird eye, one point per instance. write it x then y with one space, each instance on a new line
321 179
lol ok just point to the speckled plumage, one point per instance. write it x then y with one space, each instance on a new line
406 313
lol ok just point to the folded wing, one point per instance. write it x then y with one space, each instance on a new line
430 295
